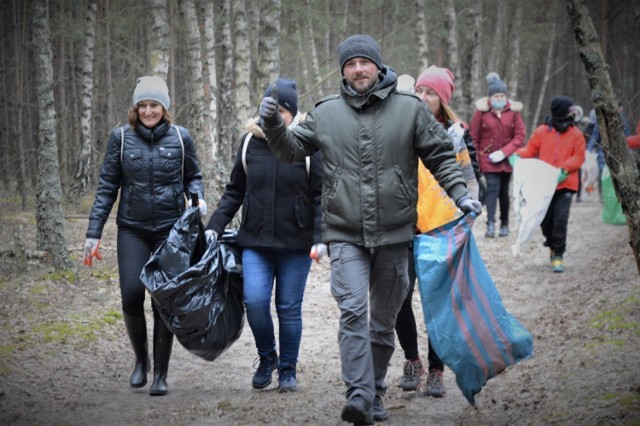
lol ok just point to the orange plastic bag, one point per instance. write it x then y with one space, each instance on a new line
435 207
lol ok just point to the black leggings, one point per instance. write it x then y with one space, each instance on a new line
134 249
406 325
498 193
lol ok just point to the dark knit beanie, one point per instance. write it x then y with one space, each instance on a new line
287 94
359 46
561 107
495 85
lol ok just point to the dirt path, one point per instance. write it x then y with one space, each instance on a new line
65 358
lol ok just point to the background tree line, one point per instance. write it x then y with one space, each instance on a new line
219 55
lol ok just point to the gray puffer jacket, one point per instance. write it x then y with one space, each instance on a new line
371 145
150 177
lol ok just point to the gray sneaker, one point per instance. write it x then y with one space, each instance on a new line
411 373
379 413
435 384
357 410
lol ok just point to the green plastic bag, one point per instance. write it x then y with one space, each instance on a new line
611 210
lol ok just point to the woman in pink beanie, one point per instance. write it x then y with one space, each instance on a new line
435 87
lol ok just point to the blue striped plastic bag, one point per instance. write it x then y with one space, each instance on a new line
468 325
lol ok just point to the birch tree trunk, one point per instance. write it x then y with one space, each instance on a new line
421 34
496 53
624 171
211 75
160 42
201 126
228 129
269 43
83 176
50 235
242 69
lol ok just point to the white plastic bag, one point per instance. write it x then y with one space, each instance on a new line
589 173
534 183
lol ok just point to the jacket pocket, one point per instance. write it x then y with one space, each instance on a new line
170 158
132 159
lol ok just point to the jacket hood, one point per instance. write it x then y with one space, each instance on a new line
482 105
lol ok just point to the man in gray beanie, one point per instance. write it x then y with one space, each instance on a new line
371 136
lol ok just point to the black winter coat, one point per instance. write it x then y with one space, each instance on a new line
150 177
281 203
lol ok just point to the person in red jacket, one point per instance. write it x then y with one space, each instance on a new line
497 130
561 144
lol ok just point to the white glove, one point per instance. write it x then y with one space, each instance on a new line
318 251
211 236
202 205
455 131
497 156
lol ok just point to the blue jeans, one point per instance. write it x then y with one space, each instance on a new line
290 270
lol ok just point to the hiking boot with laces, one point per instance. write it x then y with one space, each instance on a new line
435 384
357 410
262 376
411 374
287 379
378 411
557 264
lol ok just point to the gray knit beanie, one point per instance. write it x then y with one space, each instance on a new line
495 84
152 88
359 46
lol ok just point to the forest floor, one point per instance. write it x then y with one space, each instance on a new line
65 358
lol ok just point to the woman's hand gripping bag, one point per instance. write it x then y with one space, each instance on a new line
468 325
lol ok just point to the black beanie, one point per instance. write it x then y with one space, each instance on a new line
287 94
359 46
561 107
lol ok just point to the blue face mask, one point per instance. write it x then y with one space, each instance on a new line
498 104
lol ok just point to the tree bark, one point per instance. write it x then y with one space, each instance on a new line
453 54
624 171
161 43
547 68
269 43
49 215
83 176
422 36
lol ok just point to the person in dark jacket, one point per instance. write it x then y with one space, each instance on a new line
280 229
371 137
152 165
497 130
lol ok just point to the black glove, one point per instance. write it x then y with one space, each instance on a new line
468 205
268 110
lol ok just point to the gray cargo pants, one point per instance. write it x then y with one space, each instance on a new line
369 286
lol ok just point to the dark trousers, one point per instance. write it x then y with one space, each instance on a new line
406 328
555 223
134 249
498 192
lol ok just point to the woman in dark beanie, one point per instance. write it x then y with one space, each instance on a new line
152 165
561 144
497 131
280 228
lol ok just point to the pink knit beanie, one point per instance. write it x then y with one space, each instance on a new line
438 79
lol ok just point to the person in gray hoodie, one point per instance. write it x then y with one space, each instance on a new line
371 136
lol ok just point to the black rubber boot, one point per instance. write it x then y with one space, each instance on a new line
137 331
162 343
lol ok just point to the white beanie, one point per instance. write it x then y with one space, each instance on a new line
152 88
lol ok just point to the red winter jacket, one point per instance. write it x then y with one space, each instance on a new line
562 150
491 132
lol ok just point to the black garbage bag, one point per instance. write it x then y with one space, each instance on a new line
198 287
